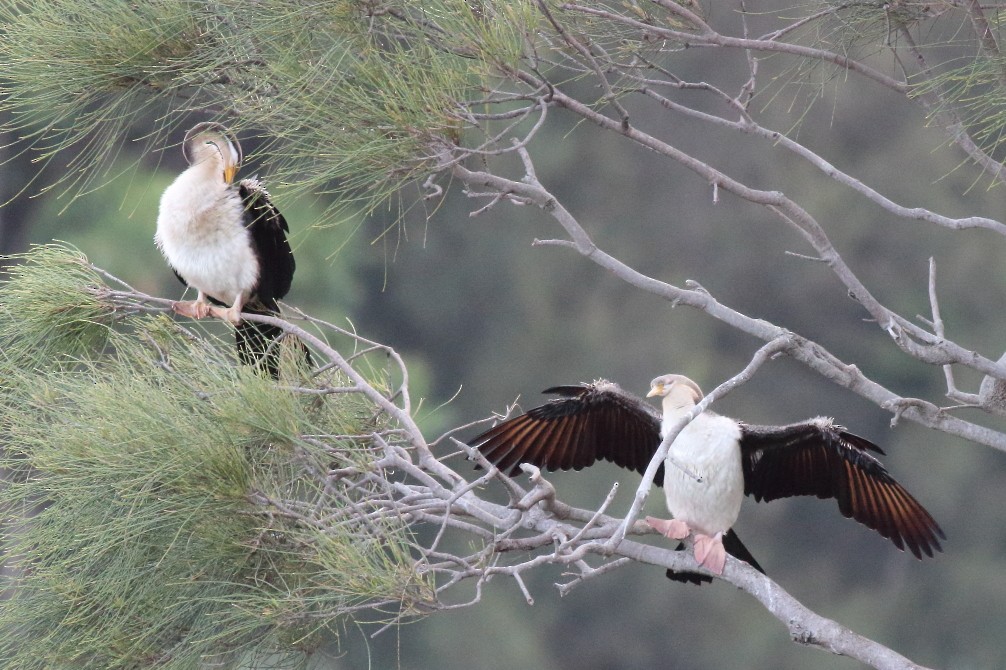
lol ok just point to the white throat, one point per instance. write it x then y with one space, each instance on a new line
677 403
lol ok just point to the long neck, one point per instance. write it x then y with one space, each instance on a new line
208 168
184 205
200 186
678 402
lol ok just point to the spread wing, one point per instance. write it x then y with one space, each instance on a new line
586 423
821 459
268 229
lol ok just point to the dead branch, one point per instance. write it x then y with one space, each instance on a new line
425 490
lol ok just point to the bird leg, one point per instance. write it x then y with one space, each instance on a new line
199 308
672 528
709 552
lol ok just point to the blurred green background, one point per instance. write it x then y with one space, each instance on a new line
482 317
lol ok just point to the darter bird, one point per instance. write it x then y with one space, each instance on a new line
227 241
724 458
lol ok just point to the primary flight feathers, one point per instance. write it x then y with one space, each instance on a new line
601 421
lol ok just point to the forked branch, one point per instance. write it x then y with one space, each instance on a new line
409 483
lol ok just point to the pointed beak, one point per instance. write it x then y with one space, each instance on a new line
230 171
656 390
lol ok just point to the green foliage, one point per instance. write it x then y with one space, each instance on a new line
978 94
168 508
100 60
353 99
50 310
970 87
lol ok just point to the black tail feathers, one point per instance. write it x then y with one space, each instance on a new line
258 344
734 547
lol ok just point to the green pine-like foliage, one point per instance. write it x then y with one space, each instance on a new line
349 97
168 508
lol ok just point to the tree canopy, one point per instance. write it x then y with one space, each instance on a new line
663 142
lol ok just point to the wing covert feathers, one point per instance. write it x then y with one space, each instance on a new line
257 343
586 423
821 459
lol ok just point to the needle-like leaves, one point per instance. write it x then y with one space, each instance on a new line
166 507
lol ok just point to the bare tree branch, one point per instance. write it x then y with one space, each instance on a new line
810 353
715 39
425 491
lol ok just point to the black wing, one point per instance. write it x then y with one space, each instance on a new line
821 459
268 229
257 343
585 423
180 278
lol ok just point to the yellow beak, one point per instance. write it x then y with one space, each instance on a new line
230 171
656 390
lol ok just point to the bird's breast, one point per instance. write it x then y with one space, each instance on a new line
709 448
202 235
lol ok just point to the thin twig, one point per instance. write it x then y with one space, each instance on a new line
670 433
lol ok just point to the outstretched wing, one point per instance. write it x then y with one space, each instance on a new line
586 423
821 459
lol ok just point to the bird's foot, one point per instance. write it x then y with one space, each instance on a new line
710 553
194 309
231 314
672 528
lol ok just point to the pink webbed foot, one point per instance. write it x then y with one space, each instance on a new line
710 553
194 309
672 528
231 314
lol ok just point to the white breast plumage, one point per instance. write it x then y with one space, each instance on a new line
200 231
708 446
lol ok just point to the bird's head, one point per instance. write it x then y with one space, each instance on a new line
213 141
678 390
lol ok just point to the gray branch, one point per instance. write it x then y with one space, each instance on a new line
810 353
409 483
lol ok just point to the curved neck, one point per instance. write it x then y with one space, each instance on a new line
209 165
678 402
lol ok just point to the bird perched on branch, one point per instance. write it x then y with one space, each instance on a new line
712 463
227 241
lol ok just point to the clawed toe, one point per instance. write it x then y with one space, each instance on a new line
709 552
194 309
231 314
672 528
